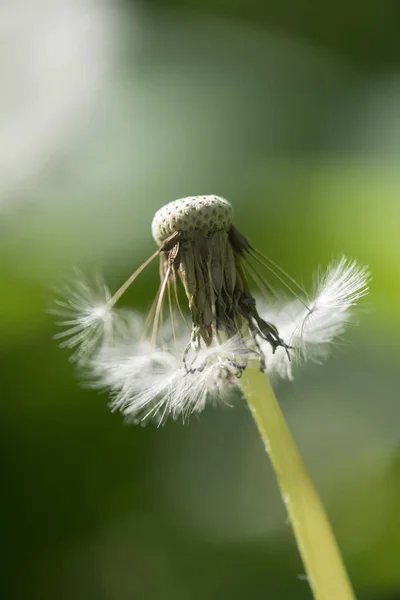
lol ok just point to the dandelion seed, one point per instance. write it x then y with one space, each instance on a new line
85 313
153 369
311 331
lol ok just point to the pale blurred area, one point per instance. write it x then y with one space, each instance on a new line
108 110
55 62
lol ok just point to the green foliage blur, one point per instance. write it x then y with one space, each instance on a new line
109 110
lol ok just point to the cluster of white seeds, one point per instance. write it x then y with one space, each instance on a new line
206 214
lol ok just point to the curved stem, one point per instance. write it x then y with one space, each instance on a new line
326 572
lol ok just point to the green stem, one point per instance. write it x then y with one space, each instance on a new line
317 545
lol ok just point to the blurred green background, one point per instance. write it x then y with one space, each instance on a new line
109 110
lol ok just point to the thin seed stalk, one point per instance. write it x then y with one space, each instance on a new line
318 548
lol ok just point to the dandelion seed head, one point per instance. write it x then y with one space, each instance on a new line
206 214
151 369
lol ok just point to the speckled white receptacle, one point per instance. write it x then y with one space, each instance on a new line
206 214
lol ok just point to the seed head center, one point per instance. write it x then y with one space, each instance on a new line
206 214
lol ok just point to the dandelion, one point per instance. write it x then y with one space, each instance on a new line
155 370
169 365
